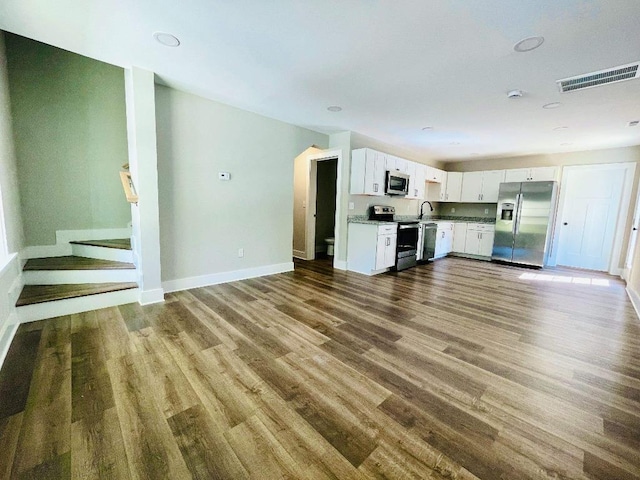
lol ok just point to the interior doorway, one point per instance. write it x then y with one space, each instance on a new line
594 202
325 205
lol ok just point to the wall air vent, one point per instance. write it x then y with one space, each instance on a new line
603 77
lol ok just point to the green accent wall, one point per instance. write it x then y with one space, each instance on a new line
70 133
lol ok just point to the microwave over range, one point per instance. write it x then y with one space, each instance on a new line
397 183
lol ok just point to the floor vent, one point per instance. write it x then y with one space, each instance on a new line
603 77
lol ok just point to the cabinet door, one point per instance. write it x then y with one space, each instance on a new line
543 174
491 181
375 172
485 246
420 180
396 163
448 240
381 250
413 189
471 187
472 242
459 237
454 187
390 253
517 175
434 175
440 242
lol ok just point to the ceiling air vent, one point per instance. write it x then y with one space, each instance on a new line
603 77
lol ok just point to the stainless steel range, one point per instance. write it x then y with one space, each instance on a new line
407 241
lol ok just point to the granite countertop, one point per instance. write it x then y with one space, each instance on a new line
431 219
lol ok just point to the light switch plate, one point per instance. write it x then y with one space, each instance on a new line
453 210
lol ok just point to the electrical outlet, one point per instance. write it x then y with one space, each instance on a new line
453 210
224 176
240 252
486 210
352 206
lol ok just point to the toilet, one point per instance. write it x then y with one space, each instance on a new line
330 242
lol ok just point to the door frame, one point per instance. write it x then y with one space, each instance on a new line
633 240
310 224
623 210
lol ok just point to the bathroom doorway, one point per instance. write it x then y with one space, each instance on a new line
325 216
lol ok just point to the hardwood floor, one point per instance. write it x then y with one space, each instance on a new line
453 370
119 243
75 263
32 294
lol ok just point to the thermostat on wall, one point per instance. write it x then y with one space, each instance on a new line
224 176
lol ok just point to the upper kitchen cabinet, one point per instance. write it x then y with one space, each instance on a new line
481 187
452 189
435 175
416 172
537 174
368 172
396 163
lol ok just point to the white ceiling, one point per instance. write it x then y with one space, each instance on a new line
394 66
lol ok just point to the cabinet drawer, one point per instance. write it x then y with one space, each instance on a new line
387 229
481 227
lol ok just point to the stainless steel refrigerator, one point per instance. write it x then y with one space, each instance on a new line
524 222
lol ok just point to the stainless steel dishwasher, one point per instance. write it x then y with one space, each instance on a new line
429 232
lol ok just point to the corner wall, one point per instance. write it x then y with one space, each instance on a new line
9 263
205 221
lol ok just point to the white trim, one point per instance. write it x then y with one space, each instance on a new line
7 336
329 155
623 209
147 297
224 277
339 264
302 255
58 277
62 246
635 300
69 306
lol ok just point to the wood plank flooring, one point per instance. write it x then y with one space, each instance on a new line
453 370
75 263
119 243
46 293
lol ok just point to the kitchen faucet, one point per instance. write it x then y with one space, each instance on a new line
422 205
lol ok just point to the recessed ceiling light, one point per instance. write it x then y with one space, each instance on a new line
634 123
549 106
558 129
528 44
334 108
166 39
514 94
426 129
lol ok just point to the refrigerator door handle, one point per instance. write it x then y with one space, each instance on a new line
516 223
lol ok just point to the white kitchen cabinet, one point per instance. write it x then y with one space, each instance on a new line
459 237
479 239
444 239
454 187
416 172
371 247
481 187
396 163
535 174
434 175
368 172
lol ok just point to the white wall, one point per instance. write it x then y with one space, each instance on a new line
300 192
9 266
204 221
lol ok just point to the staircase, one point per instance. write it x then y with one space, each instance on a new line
98 274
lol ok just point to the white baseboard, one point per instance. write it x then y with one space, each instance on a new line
69 306
635 300
224 277
148 297
62 246
617 271
6 336
339 264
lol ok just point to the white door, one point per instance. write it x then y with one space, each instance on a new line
454 187
471 187
491 181
459 236
633 239
486 244
589 215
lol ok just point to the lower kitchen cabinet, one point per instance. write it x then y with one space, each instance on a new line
459 237
371 247
479 239
444 239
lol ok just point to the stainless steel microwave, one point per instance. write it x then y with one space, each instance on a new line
397 183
